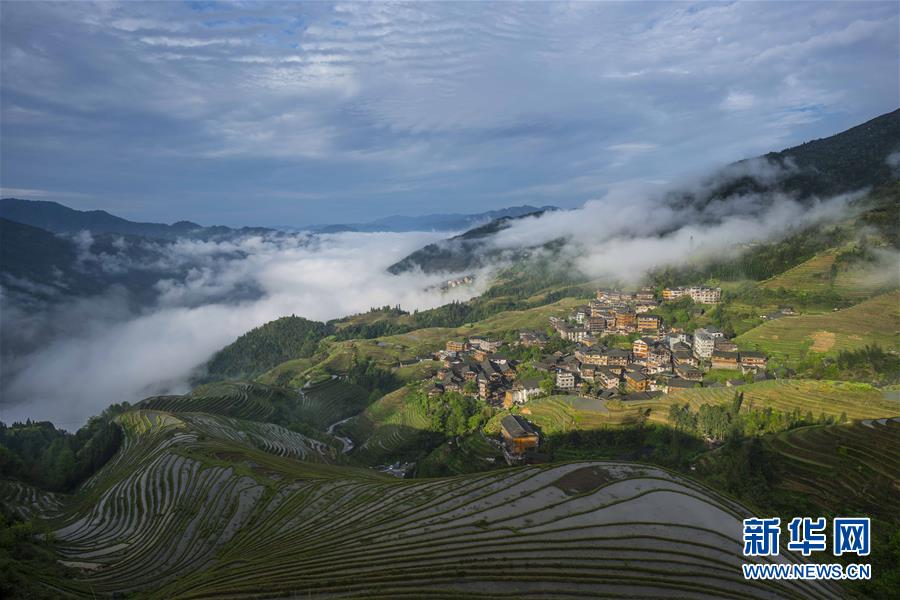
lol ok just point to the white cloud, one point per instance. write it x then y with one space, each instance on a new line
105 354
633 147
738 101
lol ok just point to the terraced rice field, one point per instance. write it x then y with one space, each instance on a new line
856 282
269 437
555 414
875 321
288 374
812 275
28 501
326 403
180 513
860 461
858 401
240 399
386 427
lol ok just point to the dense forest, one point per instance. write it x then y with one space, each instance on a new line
53 459
267 346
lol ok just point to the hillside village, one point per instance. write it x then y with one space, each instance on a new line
591 361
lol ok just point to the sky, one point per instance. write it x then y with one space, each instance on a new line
303 113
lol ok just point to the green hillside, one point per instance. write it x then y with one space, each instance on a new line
789 339
266 346
390 428
853 281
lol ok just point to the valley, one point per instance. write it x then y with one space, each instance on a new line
560 434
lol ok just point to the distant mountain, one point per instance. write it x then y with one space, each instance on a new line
36 262
432 222
57 218
852 160
37 266
463 252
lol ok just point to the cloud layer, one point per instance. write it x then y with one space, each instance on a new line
265 113
99 352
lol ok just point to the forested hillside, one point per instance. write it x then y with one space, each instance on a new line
266 346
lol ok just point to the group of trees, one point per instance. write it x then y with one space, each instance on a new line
758 262
452 413
871 363
368 375
720 422
54 459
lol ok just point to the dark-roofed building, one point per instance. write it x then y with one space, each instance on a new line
518 435
522 391
725 360
688 372
753 360
617 357
723 345
676 383
565 380
641 347
607 377
635 381
531 339
647 322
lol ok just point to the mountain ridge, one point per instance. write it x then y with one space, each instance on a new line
432 221
854 159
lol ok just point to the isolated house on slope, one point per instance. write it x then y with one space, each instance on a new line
518 434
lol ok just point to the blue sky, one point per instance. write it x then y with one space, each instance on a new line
299 113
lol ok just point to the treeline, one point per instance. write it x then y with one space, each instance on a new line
266 347
53 459
871 364
757 262
755 295
719 422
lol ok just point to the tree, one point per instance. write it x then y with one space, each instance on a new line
547 385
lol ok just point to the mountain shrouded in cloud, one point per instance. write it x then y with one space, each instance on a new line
108 352
206 292
633 228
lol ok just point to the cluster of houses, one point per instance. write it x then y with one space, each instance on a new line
623 313
660 360
613 312
476 365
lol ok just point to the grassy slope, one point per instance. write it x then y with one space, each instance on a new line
557 414
387 428
874 321
388 350
856 282
859 401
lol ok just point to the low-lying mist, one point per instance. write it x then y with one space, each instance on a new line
98 351
79 357
636 228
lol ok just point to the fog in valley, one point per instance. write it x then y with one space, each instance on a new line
94 352
69 362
